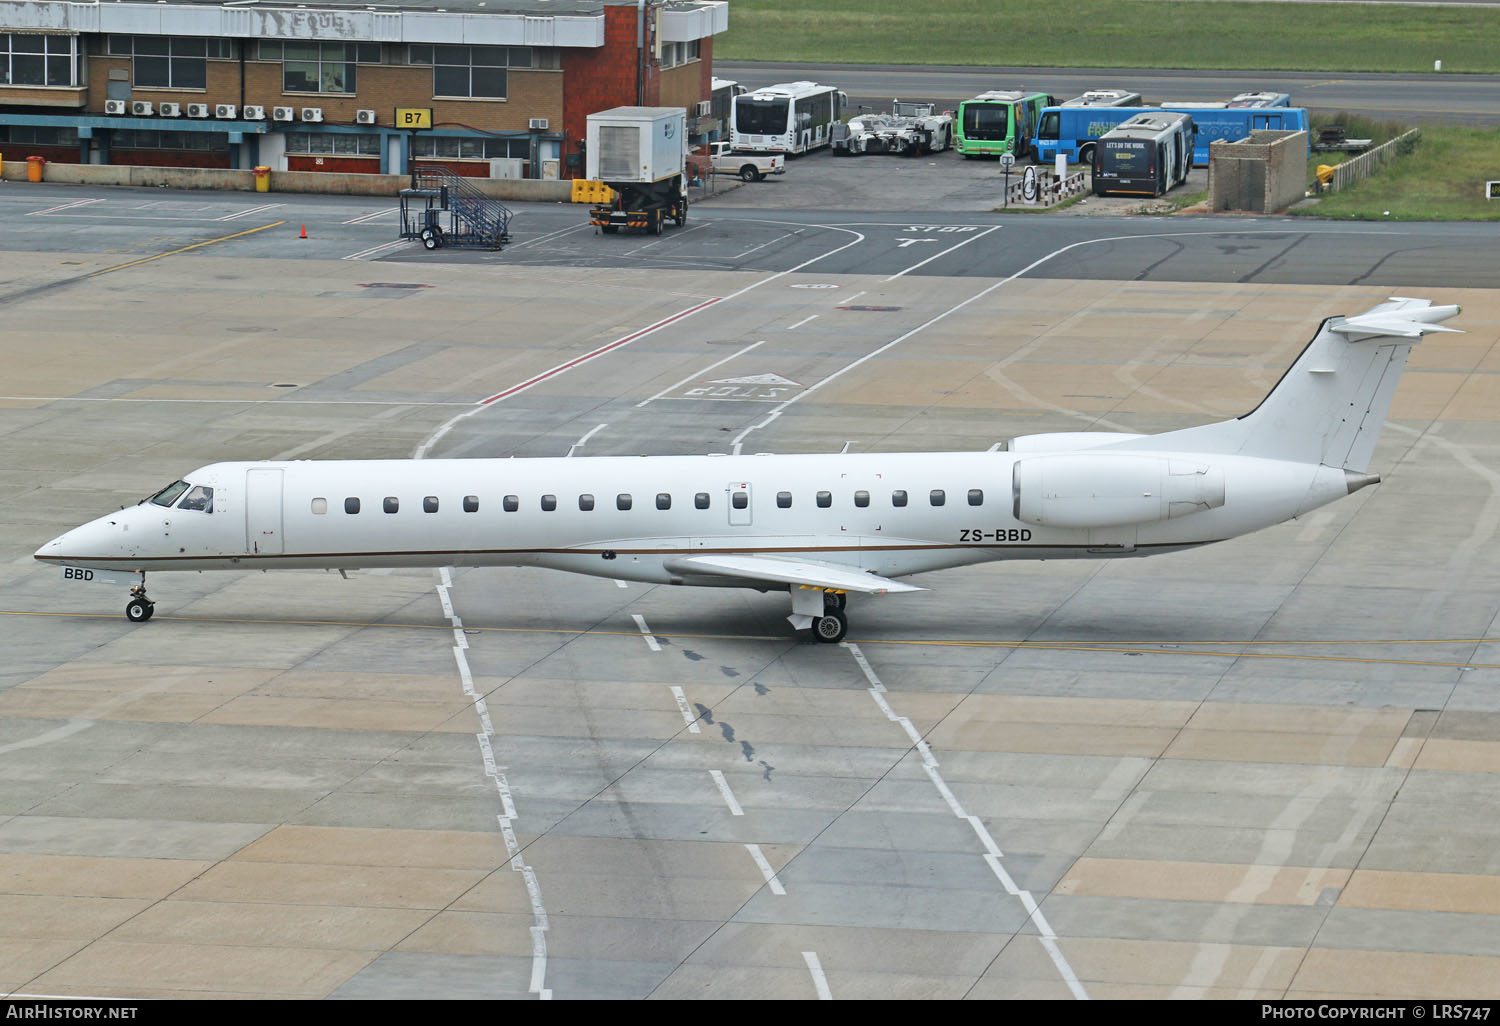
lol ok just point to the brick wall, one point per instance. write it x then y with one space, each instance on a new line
340 165
534 93
597 79
168 158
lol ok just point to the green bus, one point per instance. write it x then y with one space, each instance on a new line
1000 121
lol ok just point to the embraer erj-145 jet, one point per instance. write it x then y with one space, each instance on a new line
818 526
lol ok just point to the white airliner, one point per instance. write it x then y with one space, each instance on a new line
817 526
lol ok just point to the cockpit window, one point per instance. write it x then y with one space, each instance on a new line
199 497
170 493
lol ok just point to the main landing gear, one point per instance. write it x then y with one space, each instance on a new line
819 614
139 608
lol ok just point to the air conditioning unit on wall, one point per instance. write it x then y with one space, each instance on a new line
364 117
140 108
539 124
171 110
703 109
312 113
114 106
227 111
283 114
254 113
197 110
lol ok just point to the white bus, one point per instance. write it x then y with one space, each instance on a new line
792 117
1104 98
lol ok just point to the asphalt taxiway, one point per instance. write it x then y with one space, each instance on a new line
1268 768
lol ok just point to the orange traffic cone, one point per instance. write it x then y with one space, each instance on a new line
304 231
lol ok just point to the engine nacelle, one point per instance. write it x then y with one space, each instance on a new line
1106 490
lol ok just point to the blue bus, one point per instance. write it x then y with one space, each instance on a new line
1075 131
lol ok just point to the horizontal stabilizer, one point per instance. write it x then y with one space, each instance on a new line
778 570
1400 318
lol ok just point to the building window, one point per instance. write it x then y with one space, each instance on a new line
343 144
360 53
456 148
39 135
36 60
169 62
320 67
149 139
470 72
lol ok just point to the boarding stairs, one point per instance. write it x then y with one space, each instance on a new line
444 209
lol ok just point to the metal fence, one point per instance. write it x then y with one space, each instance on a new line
1367 163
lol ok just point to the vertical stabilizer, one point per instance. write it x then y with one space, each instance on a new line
1330 405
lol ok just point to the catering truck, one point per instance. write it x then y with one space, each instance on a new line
641 154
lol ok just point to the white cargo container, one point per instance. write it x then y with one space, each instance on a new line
636 144
640 153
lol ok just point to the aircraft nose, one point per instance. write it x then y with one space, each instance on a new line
55 548
98 539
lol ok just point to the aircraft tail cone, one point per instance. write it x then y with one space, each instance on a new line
1356 481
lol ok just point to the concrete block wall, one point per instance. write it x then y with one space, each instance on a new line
1262 174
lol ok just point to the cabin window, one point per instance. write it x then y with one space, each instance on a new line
351 505
586 503
976 496
199 497
169 494
549 503
784 500
739 500
825 499
320 507
624 501
898 497
861 498
663 500
937 498
701 500
430 504
510 503
391 504
471 504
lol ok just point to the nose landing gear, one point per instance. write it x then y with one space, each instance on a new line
139 608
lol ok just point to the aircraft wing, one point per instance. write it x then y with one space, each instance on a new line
781 570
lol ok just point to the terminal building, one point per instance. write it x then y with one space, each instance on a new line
316 86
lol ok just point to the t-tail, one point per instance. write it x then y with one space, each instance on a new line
1329 407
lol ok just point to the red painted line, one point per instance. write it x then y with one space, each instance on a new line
586 357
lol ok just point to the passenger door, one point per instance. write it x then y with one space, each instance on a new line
263 512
